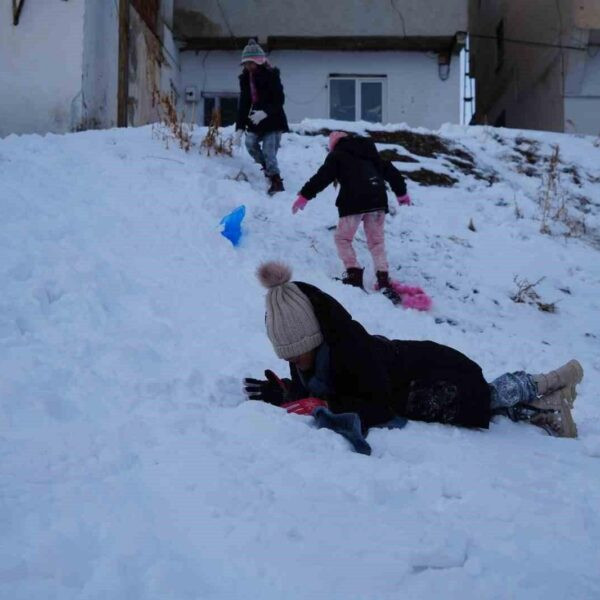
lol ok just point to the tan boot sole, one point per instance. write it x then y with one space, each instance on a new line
569 429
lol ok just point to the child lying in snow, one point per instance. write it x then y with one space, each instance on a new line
362 173
335 361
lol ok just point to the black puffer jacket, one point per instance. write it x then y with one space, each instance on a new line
270 99
361 173
380 378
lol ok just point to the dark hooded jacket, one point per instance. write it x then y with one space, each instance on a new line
270 99
361 172
380 378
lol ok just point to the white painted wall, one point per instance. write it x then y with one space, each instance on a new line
40 66
415 93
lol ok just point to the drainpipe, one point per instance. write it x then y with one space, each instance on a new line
123 64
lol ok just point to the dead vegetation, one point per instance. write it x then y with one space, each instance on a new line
526 294
171 127
391 154
426 177
553 201
213 142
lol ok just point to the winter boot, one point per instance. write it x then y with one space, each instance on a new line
554 414
384 285
383 280
276 185
567 376
354 277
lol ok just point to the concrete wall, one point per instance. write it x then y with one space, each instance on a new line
41 66
153 68
264 18
413 93
152 64
100 62
582 86
529 85
556 89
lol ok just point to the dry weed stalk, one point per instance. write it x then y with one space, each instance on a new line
526 294
213 141
173 127
553 200
550 189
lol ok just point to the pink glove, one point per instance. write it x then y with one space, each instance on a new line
299 204
404 200
306 406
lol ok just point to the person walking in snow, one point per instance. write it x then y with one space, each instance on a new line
260 112
338 370
355 163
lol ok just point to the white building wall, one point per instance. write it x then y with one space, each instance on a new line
414 92
40 66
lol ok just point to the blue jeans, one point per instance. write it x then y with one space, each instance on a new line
511 389
267 155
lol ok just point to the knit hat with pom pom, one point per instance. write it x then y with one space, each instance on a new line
291 323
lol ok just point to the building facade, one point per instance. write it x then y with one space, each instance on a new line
376 61
537 63
59 63
62 66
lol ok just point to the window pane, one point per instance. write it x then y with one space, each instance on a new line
371 109
228 111
209 106
342 94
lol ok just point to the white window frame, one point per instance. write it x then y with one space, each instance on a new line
358 79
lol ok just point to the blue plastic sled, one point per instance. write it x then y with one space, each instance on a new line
232 222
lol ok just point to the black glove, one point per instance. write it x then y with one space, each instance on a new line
272 390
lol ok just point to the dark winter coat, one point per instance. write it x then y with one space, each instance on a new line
380 378
270 99
361 173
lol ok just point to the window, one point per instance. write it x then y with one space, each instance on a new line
353 98
500 45
226 102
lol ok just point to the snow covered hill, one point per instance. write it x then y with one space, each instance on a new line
133 468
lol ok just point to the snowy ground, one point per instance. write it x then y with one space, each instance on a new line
132 467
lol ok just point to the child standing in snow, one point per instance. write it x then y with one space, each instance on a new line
337 368
355 163
261 113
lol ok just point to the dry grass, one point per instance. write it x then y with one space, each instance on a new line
171 126
526 294
213 142
553 201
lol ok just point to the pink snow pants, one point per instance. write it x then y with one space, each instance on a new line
373 223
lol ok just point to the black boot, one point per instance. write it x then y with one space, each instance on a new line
383 280
385 287
276 185
354 277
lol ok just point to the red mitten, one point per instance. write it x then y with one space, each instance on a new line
306 406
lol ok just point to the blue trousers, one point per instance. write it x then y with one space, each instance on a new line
511 389
263 149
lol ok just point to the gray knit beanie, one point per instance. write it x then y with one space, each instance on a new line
252 52
291 323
